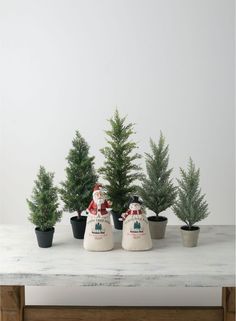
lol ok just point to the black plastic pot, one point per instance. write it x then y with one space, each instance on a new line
78 226
117 224
44 238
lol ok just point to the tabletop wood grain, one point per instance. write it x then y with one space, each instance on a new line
211 264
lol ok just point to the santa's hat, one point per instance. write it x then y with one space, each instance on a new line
97 187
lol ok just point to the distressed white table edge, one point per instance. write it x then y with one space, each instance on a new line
168 264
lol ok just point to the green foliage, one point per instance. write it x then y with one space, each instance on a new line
44 202
158 191
191 206
76 191
120 169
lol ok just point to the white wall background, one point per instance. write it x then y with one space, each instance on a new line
66 65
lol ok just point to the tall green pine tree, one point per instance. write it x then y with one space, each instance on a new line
120 169
76 191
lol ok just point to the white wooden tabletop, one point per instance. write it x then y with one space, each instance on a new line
211 264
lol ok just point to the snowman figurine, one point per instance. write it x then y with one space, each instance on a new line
136 234
98 233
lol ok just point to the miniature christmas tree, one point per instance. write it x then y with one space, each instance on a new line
44 202
76 191
120 169
158 191
191 206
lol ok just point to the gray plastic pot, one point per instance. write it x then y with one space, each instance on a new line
44 238
157 226
190 236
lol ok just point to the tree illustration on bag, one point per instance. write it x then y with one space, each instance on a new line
98 227
137 226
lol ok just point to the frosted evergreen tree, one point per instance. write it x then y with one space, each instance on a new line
191 206
157 191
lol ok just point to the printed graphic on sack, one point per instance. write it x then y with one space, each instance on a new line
98 229
137 228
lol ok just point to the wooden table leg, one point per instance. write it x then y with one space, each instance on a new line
12 302
228 303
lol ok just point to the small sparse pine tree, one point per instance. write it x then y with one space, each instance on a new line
191 206
120 169
158 191
44 204
76 191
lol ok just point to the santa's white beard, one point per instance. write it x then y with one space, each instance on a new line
99 201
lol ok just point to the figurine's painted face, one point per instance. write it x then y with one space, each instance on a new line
99 197
135 206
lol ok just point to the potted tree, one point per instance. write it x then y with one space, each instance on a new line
191 206
44 207
120 169
157 190
76 191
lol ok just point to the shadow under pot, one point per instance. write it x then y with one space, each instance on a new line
190 235
117 224
44 238
78 226
157 226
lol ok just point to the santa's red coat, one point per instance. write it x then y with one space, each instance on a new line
93 208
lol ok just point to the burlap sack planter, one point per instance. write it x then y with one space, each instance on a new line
136 234
98 233
190 236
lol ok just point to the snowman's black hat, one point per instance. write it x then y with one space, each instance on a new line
135 199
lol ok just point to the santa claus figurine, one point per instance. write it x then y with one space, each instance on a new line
98 233
99 205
